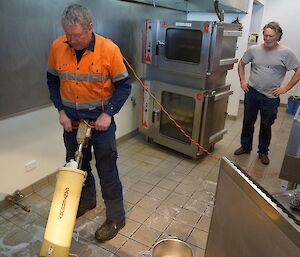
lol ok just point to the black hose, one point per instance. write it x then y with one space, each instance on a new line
220 13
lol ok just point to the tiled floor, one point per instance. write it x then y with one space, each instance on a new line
166 194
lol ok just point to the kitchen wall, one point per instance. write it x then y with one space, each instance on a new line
254 27
36 135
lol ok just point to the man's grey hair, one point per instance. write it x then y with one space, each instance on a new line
276 27
76 13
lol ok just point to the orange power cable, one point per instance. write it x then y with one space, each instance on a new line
89 124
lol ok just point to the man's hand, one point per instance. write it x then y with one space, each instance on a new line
279 91
65 121
293 81
245 87
241 72
103 121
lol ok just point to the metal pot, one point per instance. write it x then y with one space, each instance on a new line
171 247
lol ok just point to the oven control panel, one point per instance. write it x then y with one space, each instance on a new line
148 42
145 105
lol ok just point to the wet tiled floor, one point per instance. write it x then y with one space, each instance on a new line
165 193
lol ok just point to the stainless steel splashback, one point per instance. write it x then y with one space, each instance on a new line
28 28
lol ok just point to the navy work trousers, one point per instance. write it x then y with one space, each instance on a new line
268 107
104 145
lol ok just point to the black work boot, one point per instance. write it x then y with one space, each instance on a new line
108 230
240 151
83 208
264 158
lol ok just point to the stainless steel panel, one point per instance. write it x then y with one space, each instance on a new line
215 47
187 114
228 47
176 5
245 222
241 5
26 36
290 169
235 6
180 79
216 78
223 45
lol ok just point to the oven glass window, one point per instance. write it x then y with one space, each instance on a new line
181 108
183 45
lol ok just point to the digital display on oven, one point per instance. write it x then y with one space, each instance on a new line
183 44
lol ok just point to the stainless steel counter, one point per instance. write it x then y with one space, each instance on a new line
247 221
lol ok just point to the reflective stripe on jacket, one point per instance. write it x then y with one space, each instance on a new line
89 83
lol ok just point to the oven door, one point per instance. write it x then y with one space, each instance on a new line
223 46
214 116
185 106
183 47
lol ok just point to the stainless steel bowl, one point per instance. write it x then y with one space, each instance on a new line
171 248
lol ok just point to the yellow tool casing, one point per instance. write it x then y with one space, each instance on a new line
63 211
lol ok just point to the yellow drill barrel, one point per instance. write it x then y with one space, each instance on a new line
62 216
63 211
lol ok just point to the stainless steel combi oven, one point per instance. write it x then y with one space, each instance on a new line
186 67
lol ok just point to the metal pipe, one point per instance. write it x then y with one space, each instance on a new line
220 13
14 199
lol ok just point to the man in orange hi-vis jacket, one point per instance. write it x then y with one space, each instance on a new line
87 79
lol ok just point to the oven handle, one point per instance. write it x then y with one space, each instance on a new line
217 136
155 115
222 95
228 61
158 43
232 33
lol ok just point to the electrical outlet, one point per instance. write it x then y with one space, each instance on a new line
31 165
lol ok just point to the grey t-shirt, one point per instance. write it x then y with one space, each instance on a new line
268 67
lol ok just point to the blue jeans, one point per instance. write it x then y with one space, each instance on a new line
104 144
268 107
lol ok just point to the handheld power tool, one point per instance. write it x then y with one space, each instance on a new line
64 206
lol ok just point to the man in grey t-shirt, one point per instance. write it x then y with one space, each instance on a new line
269 63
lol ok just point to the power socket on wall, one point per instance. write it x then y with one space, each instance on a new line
31 165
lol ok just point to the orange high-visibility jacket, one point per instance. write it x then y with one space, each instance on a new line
89 83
